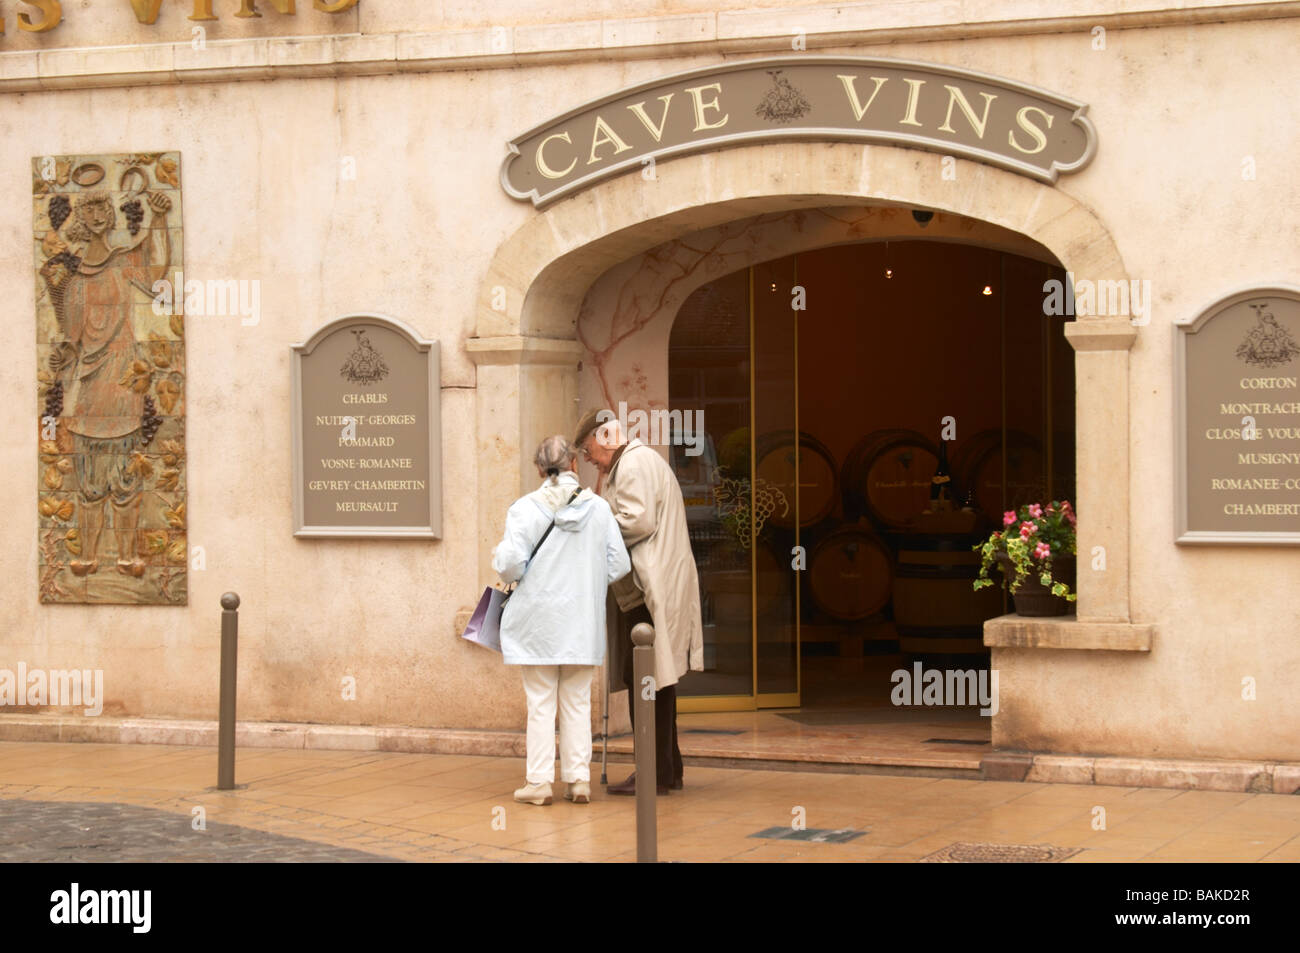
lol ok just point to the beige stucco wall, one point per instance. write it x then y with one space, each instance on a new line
527 26
1177 109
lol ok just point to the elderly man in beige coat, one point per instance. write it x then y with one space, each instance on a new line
663 587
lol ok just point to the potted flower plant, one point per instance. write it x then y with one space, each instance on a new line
1035 549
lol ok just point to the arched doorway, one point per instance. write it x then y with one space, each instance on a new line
532 362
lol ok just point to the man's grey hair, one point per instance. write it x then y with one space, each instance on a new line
554 455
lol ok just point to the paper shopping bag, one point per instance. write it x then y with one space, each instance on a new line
485 624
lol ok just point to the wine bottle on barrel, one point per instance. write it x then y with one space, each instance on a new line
941 482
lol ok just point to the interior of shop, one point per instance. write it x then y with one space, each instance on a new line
871 411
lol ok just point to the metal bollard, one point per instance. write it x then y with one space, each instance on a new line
643 666
226 722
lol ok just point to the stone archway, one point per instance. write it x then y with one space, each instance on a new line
527 353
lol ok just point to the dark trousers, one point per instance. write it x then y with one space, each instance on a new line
668 757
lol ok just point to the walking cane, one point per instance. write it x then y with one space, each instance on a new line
604 735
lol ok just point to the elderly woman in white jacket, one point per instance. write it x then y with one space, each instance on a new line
554 624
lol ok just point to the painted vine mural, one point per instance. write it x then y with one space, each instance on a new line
111 380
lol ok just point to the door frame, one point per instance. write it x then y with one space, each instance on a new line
756 700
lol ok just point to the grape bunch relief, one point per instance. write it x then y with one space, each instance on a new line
60 209
54 400
134 212
61 266
150 421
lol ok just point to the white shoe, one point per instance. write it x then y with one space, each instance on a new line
539 794
579 792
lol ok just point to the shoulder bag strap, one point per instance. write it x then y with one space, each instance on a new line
545 534
552 525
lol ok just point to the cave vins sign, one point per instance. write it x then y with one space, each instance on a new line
864 99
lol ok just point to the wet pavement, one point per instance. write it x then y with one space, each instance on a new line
89 832
96 802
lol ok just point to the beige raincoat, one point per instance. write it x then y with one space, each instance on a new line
643 493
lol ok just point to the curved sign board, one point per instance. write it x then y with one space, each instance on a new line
856 99
1237 413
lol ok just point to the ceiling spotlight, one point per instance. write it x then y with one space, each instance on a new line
922 216
988 290
889 272
774 286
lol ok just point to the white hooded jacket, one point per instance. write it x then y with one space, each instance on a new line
557 613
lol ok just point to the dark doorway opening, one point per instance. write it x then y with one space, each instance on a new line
835 383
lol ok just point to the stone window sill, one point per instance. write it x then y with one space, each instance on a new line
1066 632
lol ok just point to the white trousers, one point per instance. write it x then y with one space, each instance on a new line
569 688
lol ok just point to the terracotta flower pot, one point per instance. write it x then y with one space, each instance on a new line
1033 598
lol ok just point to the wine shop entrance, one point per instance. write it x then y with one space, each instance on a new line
871 410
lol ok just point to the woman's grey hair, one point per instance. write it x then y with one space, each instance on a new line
554 455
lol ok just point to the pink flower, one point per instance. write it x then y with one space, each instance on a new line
1035 511
1027 530
1042 551
1008 517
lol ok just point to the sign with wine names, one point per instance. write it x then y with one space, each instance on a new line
366 433
1237 395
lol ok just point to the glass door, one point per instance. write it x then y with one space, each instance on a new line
709 371
775 388
733 356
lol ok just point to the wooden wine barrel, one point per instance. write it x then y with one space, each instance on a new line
933 596
817 479
886 477
774 589
977 468
732 598
850 574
